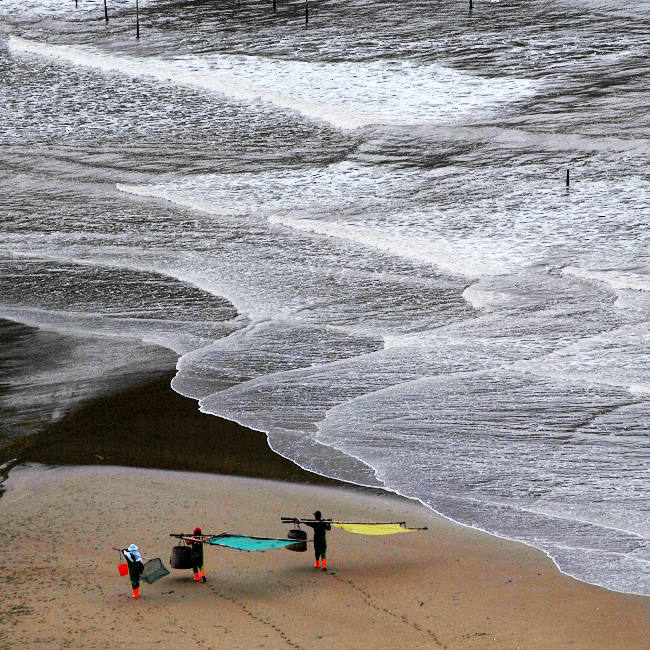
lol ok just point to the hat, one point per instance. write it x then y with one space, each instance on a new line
197 530
317 514
132 548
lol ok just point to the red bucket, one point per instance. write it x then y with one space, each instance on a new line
123 569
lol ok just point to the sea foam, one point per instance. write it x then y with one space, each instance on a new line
347 96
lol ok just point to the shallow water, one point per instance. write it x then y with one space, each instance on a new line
358 237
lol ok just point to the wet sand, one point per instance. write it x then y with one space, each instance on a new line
149 425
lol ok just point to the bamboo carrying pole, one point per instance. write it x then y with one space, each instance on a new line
204 539
296 520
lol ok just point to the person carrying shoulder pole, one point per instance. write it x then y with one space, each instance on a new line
136 566
320 539
197 557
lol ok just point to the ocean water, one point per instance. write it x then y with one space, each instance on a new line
357 236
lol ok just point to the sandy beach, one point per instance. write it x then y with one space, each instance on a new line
447 587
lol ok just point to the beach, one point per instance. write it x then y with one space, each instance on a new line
448 586
389 263
410 253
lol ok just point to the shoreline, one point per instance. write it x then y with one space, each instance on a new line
99 431
149 425
149 450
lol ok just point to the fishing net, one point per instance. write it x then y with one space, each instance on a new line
244 543
153 570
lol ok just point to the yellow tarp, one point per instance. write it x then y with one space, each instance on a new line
375 529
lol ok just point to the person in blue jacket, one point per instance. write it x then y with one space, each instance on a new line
136 566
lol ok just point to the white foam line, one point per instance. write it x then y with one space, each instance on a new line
348 96
440 254
168 72
619 280
70 327
553 141
110 264
149 192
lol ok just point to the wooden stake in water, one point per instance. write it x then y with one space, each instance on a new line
274 7
306 12
567 178
105 11
137 20
470 6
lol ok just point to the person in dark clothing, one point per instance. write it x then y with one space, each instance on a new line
136 566
320 539
197 557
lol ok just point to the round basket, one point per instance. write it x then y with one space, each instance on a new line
181 557
301 545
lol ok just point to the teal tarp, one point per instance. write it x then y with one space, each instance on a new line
244 543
